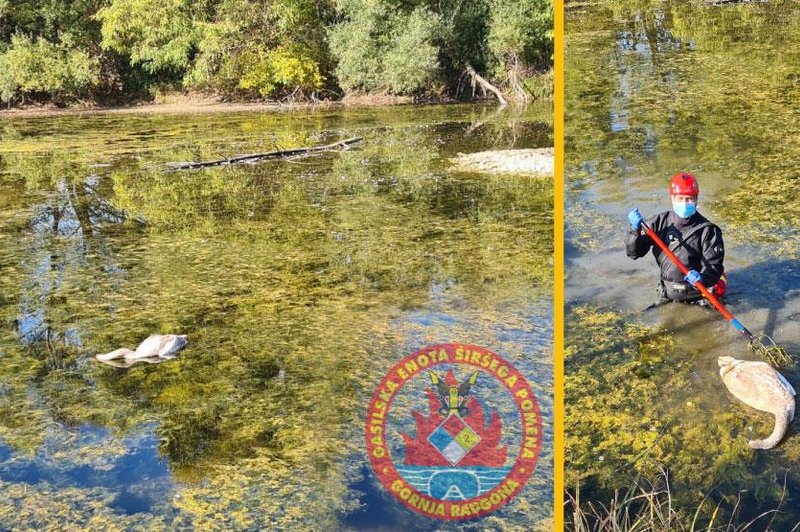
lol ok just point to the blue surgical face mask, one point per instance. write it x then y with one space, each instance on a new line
684 209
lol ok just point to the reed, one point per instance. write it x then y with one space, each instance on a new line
647 506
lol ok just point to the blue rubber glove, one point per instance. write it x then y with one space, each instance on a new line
635 218
693 277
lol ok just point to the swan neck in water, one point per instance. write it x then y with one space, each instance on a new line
781 423
114 355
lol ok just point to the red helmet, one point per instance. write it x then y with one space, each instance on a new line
683 184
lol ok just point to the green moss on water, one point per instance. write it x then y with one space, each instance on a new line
696 87
294 280
633 412
615 372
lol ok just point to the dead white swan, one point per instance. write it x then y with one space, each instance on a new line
757 384
156 346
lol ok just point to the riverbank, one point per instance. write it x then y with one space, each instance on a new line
191 103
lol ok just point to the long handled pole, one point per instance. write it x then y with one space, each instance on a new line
775 354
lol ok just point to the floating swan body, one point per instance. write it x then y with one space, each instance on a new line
156 346
160 345
757 384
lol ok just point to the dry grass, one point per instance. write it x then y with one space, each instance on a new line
647 506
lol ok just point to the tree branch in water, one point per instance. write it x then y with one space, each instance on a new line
258 157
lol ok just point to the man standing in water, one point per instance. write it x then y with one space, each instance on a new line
690 236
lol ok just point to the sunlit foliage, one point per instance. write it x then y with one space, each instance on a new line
521 37
156 34
38 66
380 47
266 48
279 49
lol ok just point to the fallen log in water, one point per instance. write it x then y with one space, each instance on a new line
726 2
256 157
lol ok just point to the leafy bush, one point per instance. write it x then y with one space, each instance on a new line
539 85
522 31
268 48
36 66
411 60
284 69
379 47
157 34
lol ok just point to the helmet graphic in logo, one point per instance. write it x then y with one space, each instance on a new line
453 431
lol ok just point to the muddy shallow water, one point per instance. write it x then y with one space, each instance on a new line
653 88
299 284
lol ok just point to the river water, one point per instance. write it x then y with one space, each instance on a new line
299 284
654 88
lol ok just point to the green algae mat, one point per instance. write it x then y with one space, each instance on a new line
299 283
654 88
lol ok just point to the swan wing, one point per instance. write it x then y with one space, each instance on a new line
172 344
150 347
160 345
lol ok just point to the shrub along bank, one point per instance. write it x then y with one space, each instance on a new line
114 51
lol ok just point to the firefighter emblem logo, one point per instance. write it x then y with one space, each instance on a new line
453 431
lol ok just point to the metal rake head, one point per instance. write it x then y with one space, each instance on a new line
772 352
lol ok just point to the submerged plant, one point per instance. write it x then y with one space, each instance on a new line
635 410
298 283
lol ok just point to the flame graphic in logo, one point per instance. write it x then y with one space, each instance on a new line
488 451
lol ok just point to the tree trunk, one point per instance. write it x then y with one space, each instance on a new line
513 77
485 85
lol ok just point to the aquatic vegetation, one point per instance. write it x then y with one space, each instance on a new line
299 282
45 506
588 229
678 85
611 416
648 505
622 427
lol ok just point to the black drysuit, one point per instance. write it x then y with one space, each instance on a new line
695 241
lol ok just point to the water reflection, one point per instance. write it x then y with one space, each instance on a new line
299 282
678 86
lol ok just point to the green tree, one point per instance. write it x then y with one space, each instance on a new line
413 47
265 48
160 35
51 20
380 47
463 37
268 48
37 65
521 38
